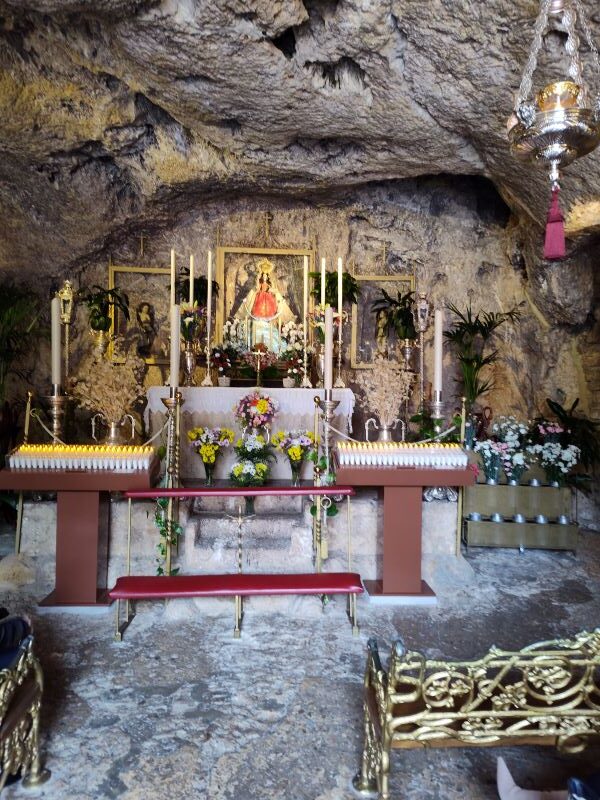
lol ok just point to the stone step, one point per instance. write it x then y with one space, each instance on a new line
283 506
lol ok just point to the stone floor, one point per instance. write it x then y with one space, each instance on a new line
180 709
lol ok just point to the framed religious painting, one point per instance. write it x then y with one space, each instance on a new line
371 333
261 289
147 329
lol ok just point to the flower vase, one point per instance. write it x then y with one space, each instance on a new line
491 470
189 364
209 471
296 467
513 477
554 476
224 381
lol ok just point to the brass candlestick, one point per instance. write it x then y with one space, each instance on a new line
437 414
306 384
58 402
173 404
339 381
65 295
327 406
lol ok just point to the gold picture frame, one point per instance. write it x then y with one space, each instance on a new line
364 322
238 270
149 299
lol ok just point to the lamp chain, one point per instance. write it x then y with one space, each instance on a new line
569 19
527 80
583 21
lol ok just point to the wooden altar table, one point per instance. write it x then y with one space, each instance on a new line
213 407
82 520
402 511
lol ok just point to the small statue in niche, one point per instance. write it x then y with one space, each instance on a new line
381 324
265 301
147 326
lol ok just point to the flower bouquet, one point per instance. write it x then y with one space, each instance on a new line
297 446
256 410
492 454
222 359
515 457
556 461
191 317
254 447
208 443
316 319
249 473
292 362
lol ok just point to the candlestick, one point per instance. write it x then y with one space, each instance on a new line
191 280
173 278
328 366
207 379
55 342
175 345
438 351
339 383
340 281
323 281
306 384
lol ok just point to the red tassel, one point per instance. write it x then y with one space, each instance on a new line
554 246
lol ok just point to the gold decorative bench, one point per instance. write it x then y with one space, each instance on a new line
545 694
21 686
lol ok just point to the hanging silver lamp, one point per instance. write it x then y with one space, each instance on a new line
562 122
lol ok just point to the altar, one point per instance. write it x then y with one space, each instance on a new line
214 406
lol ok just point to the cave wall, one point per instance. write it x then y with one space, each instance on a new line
454 233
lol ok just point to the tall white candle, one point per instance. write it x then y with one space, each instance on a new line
173 276
305 296
191 280
438 350
322 281
340 301
328 367
55 340
175 345
209 295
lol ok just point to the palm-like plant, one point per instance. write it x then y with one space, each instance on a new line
399 313
470 334
19 317
350 287
99 303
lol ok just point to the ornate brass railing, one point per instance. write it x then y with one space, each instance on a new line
547 693
21 687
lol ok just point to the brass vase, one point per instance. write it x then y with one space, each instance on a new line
189 363
116 433
101 341
407 348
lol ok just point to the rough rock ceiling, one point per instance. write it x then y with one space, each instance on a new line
119 114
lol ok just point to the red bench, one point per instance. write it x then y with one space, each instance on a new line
237 585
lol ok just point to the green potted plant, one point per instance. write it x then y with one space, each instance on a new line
350 288
100 303
19 326
396 315
470 335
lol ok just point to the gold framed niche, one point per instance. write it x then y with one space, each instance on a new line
148 289
240 272
367 329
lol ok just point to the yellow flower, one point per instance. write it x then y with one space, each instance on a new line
262 406
295 453
208 453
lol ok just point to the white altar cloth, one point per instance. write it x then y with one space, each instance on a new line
213 406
